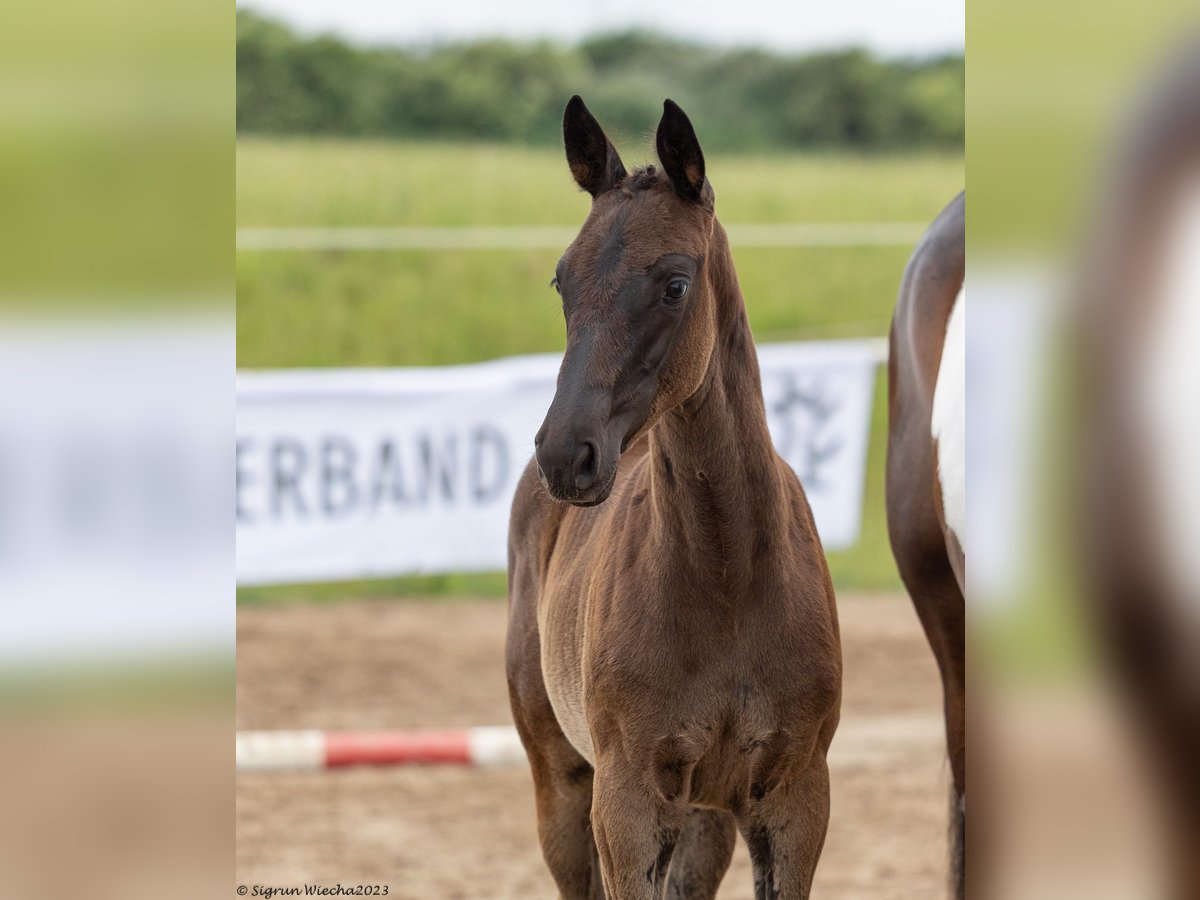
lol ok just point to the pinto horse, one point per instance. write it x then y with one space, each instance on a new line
673 656
926 473
1139 490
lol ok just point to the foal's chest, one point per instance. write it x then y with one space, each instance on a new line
666 675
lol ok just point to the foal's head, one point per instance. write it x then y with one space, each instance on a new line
637 298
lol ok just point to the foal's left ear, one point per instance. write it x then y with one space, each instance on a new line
679 152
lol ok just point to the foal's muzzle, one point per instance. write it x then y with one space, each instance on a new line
571 469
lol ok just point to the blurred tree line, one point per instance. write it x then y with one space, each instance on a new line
497 90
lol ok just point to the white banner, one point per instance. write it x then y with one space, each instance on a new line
360 473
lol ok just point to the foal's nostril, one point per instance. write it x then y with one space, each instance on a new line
585 466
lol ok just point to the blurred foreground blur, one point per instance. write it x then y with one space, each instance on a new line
1140 511
116 410
1084 248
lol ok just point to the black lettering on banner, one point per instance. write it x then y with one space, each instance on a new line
339 492
86 470
8 498
485 438
335 476
288 462
243 479
389 476
438 463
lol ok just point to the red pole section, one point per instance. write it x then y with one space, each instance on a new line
384 748
487 746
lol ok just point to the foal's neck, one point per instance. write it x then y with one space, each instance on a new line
715 480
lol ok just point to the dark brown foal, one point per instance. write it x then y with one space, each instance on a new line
926 471
673 655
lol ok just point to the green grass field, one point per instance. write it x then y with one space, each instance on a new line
397 308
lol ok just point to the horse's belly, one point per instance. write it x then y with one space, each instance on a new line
562 671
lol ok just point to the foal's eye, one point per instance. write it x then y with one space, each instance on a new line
554 284
676 288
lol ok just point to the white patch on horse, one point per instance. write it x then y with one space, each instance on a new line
1169 394
949 424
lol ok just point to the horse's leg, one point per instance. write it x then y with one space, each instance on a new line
702 855
958 842
939 604
926 569
943 615
954 686
562 784
785 831
636 832
562 779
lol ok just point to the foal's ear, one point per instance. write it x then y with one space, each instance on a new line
593 159
679 152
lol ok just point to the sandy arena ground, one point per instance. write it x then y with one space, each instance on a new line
458 833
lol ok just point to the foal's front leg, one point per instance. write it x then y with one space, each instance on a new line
702 855
785 830
636 828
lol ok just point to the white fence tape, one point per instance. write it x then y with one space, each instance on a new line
538 237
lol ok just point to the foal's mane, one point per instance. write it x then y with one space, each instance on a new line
644 178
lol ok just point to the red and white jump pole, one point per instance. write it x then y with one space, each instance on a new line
488 747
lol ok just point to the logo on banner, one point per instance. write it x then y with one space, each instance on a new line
803 417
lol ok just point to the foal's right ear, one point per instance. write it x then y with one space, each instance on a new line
680 154
593 159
